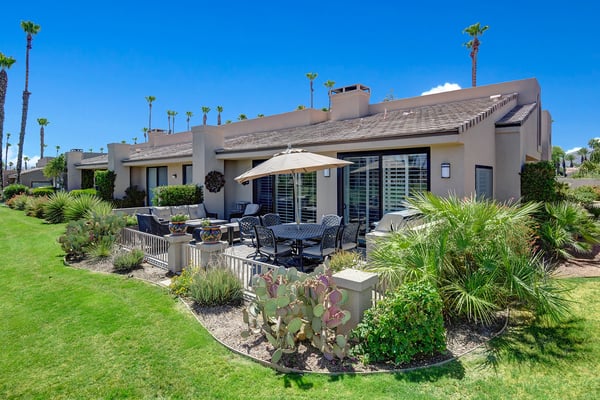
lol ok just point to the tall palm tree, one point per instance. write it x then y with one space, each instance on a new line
205 110
329 85
7 146
188 115
30 29
474 31
311 77
145 130
219 110
134 140
5 63
173 114
242 117
101 149
570 158
57 150
169 113
583 152
26 159
43 122
150 99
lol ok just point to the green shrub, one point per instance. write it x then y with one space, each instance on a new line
584 195
34 206
341 260
79 206
133 198
54 210
75 240
538 182
43 191
102 249
13 190
216 286
177 195
18 202
129 260
588 169
81 192
105 184
478 254
565 228
405 324
180 285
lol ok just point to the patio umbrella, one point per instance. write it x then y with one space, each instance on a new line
295 162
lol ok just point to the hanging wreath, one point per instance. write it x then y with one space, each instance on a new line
214 181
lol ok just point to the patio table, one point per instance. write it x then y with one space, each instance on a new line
298 232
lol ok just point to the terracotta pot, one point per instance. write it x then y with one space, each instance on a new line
177 228
210 234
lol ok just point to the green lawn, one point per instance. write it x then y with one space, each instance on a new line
68 333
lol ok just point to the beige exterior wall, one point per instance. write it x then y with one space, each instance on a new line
117 152
206 140
453 154
508 166
546 135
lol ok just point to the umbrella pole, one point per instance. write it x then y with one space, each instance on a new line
296 178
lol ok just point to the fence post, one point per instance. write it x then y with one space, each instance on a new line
359 285
176 251
210 251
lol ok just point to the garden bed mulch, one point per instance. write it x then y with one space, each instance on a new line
225 323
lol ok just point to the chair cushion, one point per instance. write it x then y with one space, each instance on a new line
251 209
161 212
180 210
197 211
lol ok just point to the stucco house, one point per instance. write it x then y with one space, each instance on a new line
468 141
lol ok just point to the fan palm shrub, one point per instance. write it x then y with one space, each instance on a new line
478 254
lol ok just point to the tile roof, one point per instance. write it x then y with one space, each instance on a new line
103 159
517 115
161 152
447 118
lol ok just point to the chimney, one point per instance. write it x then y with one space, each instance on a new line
349 102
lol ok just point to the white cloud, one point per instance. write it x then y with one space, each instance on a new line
446 87
12 157
573 150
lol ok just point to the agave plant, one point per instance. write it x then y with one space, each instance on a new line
54 210
79 207
477 253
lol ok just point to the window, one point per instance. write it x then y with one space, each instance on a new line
155 176
484 183
187 174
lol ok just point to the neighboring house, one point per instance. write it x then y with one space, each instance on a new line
467 142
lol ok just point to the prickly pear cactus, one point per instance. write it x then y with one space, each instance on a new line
290 307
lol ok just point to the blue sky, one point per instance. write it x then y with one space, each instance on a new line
93 63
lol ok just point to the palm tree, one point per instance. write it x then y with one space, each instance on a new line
300 107
7 146
173 114
30 29
134 140
150 99
145 130
169 112
5 63
101 149
311 77
57 149
570 158
583 152
474 31
188 115
242 117
329 85
26 159
205 110
260 115
219 110
43 122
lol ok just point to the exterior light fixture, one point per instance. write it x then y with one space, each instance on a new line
174 176
445 170
327 173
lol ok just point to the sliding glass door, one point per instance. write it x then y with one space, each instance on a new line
378 183
155 176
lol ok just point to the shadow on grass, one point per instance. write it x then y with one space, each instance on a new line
297 380
530 342
454 370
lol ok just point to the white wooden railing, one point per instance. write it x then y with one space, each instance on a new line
154 247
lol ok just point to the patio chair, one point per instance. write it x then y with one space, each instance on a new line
247 232
266 244
331 220
326 247
149 224
348 236
251 210
271 219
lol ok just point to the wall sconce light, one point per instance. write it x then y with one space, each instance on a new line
445 170
174 176
327 173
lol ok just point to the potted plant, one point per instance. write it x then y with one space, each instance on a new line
209 233
177 225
